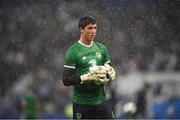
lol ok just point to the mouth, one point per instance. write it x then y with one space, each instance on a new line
92 37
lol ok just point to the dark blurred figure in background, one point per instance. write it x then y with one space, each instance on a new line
141 101
3 105
5 108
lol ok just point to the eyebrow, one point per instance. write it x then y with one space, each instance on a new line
92 27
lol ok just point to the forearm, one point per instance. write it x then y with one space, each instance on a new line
69 78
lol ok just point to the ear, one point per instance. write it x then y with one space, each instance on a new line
81 29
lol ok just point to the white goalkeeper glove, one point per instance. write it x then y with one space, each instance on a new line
111 72
97 73
100 70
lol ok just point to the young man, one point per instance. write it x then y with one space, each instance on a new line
87 68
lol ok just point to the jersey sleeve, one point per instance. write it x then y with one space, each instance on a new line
106 55
70 59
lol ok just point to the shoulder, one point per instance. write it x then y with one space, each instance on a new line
73 47
100 45
97 43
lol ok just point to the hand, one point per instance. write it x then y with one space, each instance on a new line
92 76
97 69
97 73
111 72
101 73
102 81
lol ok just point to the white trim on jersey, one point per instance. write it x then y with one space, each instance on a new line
107 62
67 66
86 45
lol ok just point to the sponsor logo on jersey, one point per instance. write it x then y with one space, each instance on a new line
84 57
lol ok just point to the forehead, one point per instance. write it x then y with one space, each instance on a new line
91 25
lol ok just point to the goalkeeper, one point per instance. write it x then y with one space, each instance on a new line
87 67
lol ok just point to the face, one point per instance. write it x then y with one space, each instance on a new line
89 32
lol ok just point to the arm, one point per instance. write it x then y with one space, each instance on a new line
69 77
110 64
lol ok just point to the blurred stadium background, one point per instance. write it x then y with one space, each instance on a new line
142 37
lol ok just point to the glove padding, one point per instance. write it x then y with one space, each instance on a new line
102 81
100 70
110 71
97 73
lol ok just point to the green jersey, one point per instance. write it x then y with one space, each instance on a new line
80 57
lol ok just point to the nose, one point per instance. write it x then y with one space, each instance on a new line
94 31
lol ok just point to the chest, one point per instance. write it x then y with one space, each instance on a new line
90 57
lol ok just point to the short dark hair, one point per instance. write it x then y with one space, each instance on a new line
86 20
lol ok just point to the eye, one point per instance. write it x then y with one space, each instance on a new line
90 28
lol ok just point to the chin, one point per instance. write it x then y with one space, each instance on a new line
92 39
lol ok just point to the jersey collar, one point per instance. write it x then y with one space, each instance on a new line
86 45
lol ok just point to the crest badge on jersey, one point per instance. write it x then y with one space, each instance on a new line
78 115
98 54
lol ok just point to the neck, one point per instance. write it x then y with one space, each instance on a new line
85 41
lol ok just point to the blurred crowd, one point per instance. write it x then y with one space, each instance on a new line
142 36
